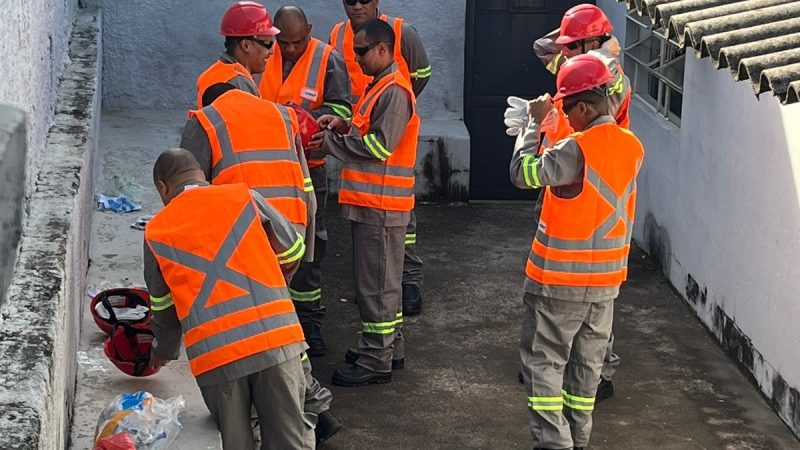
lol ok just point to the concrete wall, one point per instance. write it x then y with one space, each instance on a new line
39 320
13 152
719 206
33 49
154 50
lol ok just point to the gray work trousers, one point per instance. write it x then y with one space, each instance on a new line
611 360
561 348
277 394
412 263
377 275
317 398
306 285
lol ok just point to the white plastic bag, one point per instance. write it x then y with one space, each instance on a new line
152 422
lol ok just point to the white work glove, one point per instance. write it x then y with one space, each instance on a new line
516 116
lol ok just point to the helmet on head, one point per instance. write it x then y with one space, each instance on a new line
131 305
581 73
308 125
247 19
129 349
583 22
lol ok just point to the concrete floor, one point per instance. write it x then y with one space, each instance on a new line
675 388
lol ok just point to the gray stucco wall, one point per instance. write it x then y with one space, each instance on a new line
154 50
33 48
719 207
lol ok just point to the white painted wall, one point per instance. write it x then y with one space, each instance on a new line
719 200
34 36
154 50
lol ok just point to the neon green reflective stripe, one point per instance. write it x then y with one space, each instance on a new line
294 253
305 296
161 303
411 238
545 399
307 185
304 357
376 148
425 72
552 66
378 328
575 398
547 407
578 407
530 171
399 319
340 110
546 403
616 88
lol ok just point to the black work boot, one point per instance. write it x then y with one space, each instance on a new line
356 376
327 426
316 345
412 300
352 355
604 390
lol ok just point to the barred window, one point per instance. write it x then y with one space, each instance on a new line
655 66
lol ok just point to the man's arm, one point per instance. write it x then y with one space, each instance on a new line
414 53
285 241
195 140
388 121
561 165
338 98
164 320
549 52
311 201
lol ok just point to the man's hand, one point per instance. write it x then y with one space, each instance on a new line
539 107
335 123
516 115
156 362
316 141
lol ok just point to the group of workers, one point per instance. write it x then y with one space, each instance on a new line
232 261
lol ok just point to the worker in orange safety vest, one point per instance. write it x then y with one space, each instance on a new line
579 254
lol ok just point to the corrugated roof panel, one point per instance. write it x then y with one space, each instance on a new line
758 40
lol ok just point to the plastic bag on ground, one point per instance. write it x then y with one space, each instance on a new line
119 441
151 422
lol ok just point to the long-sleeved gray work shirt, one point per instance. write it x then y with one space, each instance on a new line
195 139
560 167
239 82
388 122
165 323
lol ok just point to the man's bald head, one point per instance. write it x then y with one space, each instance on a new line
173 168
295 32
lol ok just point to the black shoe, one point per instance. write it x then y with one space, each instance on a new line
352 355
412 300
316 345
604 390
355 376
327 426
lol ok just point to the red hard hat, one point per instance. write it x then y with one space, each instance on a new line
112 301
308 124
129 349
583 22
246 19
581 73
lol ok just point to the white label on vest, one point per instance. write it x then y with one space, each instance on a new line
542 226
309 94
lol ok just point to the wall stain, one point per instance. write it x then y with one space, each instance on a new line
657 243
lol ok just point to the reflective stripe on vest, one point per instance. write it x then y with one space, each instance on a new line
585 241
274 172
226 310
219 72
306 81
342 39
387 183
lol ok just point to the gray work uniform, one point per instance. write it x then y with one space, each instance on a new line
565 329
549 53
272 381
240 82
306 287
194 139
378 235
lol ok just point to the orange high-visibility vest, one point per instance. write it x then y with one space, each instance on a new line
253 142
305 85
584 241
223 276
219 72
342 38
389 185
564 129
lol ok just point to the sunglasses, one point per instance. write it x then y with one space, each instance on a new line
361 51
567 107
353 2
266 44
574 45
